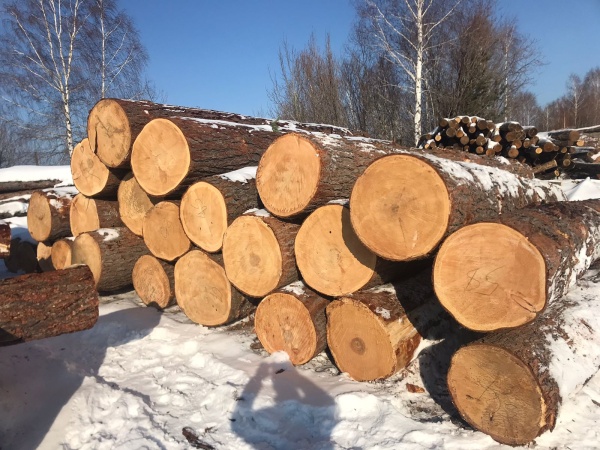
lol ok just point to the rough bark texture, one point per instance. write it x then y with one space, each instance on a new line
91 214
56 303
5 236
20 186
134 203
22 258
111 254
61 253
44 256
48 215
154 281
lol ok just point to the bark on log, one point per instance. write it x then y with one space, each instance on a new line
204 293
292 320
592 169
163 233
511 384
7 187
14 207
48 215
90 214
5 236
564 135
91 176
134 203
210 206
111 254
169 155
44 257
61 253
503 273
22 258
403 206
154 281
56 303
258 253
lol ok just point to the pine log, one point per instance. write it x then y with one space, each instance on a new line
22 258
204 293
292 320
134 203
592 169
91 176
163 233
169 155
154 281
403 206
564 135
10 187
511 384
258 253
61 253
91 214
5 236
111 254
48 214
44 257
210 206
56 303
504 272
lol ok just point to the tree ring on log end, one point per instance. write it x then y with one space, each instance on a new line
252 256
358 341
497 393
83 215
330 256
87 251
39 217
489 276
202 289
160 158
151 282
283 323
288 175
400 207
109 132
162 231
204 216
134 203
90 175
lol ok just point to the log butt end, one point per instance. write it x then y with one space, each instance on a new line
151 282
85 250
134 203
61 254
39 217
109 133
90 175
163 233
83 215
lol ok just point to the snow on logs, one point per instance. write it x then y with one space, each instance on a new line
292 320
48 214
154 281
504 272
163 233
404 205
56 303
90 214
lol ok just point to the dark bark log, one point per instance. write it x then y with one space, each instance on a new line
20 186
592 169
5 237
22 258
48 214
564 135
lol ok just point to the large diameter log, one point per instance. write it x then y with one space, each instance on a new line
154 282
511 384
210 206
44 256
204 293
5 236
111 254
403 206
292 320
134 203
334 262
48 214
56 303
22 258
502 274
163 233
258 253
91 176
90 214
171 154
61 253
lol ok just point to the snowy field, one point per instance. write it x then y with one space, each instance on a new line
141 379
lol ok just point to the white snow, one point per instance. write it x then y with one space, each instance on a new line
14 208
258 212
38 173
339 201
242 175
109 234
296 288
584 190
385 313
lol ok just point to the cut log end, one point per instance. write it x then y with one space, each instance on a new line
330 256
163 233
489 276
151 282
39 217
204 216
109 133
90 175
134 203
160 158
400 208
496 393
44 257
288 175
83 215
86 251
61 254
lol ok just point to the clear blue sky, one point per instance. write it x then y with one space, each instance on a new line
219 54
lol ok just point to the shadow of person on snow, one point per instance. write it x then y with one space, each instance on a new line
281 409
38 378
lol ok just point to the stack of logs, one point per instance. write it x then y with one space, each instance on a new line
330 241
550 153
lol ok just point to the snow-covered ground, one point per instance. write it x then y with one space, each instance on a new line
145 379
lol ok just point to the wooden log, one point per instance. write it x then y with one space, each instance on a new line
44 256
15 206
292 320
502 273
10 187
90 214
22 258
111 254
134 203
210 206
91 176
205 294
56 303
5 237
545 166
169 155
61 253
258 253
154 281
564 135
511 384
163 233
592 169
48 214
403 206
